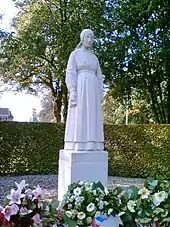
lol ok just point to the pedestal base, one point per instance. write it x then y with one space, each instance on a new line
81 165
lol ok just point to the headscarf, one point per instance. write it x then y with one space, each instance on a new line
82 34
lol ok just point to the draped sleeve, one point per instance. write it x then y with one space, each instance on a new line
71 73
100 78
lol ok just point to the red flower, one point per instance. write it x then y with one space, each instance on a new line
157 224
1 217
6 223
59 215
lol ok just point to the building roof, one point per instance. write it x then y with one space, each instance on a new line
4 112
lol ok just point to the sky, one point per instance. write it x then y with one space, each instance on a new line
21 104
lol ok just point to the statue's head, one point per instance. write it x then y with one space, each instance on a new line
86 38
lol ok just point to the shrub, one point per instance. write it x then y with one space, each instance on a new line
134 150
29 148
138 150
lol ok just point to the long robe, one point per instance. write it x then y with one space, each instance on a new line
84 125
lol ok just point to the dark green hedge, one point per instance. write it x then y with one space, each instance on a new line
138 150
29 148
134 150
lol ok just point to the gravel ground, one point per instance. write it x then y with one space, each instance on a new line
50 182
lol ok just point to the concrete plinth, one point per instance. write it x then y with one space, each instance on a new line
81 165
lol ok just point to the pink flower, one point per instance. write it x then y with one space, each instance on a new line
10 210
7 212
36 219
25 211
37 192
14 209
60 214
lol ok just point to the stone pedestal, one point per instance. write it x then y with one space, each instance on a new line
81 165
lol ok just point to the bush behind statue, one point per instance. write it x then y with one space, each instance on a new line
134 150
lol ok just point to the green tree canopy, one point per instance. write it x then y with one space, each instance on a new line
46 33
139 42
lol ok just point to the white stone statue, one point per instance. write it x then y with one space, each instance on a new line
84 125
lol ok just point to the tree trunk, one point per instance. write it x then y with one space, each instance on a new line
57 104
65 102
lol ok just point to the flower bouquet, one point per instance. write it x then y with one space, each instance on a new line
153 205
89 204
26 206
85 204
146 207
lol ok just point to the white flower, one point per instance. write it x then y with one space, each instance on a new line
15 196
71 199
109 211
144 192
79 199
79 222
101 205
68 214
77 191
131 205
159 197
1 208
94 192
90 207
37 192
121 213
54 225
74 212
21 185
106 203
81 215
69 206
28 193
97 214
86 184
36 219
24 211
81 183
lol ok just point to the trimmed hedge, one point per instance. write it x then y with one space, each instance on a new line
134 150
138 150
29 148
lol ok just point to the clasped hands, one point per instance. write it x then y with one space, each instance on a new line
73 98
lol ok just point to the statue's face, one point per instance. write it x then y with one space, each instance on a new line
88 39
